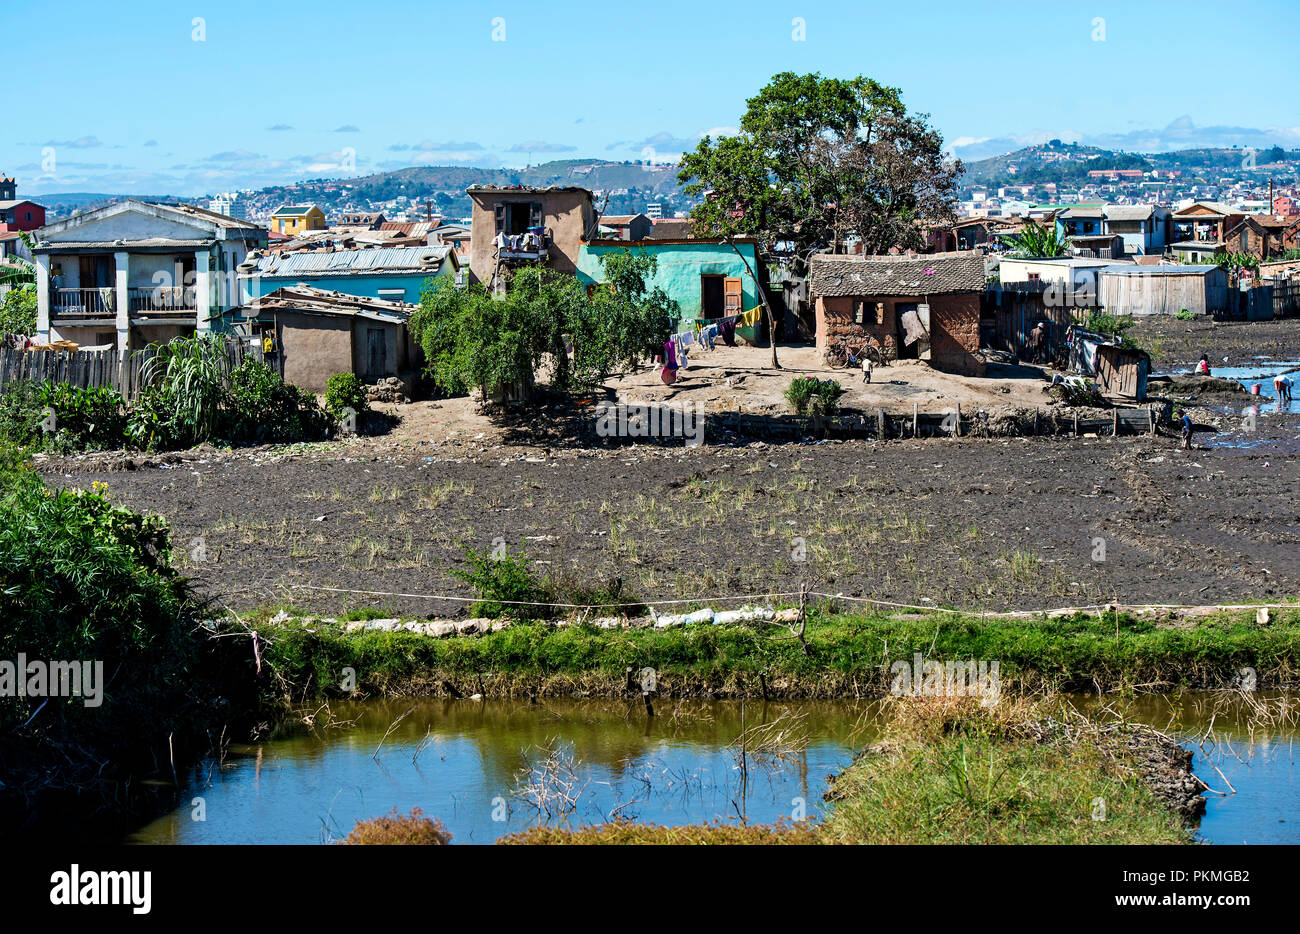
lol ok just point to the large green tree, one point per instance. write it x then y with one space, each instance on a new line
473 338
819 158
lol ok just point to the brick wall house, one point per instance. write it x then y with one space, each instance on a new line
925 307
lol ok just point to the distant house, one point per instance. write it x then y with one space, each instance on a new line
1143 228
316 333
1081 220
134 273
398 273
925 307
1079 273
519 224
971 233
705 277
672 228
1199 230
17 216
292 219
627 226
370 220
1262 236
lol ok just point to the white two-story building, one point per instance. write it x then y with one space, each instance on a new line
135 273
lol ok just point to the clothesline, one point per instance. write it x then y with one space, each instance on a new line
1086 608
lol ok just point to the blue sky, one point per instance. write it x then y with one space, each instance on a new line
142 98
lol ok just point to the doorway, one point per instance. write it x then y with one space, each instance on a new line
376 354
712 296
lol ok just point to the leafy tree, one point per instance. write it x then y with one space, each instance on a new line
817 159
473 338
18 311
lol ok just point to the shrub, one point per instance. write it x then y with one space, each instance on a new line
18 311
84 580
395 829
344 391
261 407
84 419
190 376
805 392
499 581
800 392
1185 315
21 413
826 394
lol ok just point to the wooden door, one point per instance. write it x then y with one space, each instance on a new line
376 353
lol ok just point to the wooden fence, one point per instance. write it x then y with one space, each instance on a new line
1015 308
85 369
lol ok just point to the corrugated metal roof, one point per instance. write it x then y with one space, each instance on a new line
377 259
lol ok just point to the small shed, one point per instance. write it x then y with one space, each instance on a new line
1122 372
314 333
1163 290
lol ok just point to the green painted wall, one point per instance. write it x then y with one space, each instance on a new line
680 268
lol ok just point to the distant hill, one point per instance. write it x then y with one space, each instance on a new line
1070 163
445 185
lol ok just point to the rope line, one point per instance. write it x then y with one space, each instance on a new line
810 593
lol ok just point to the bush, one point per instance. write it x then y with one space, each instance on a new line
261 407
800 392
84 580
395 829
499 581
825 400
21 411
805 392
344 391
18 311
84 419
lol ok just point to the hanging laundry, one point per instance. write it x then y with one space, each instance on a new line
728 331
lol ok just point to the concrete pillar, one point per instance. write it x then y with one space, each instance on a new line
122 298
43 297
203 289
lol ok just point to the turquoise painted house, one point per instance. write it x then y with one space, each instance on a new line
393 273
706 277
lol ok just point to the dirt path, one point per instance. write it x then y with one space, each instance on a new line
971 523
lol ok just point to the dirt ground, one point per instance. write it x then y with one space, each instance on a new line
1175 344
977 524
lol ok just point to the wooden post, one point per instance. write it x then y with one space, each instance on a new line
880 423
958 432
1151 419
916 420
1114 423
1076 424
1035 422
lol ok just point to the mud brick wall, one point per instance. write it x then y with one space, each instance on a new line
836 327
955 333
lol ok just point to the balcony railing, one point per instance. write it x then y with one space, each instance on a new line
84 303
159 299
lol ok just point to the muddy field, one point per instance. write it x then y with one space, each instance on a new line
977 524
1175 344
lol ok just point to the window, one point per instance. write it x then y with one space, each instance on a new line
1032 276
859 311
